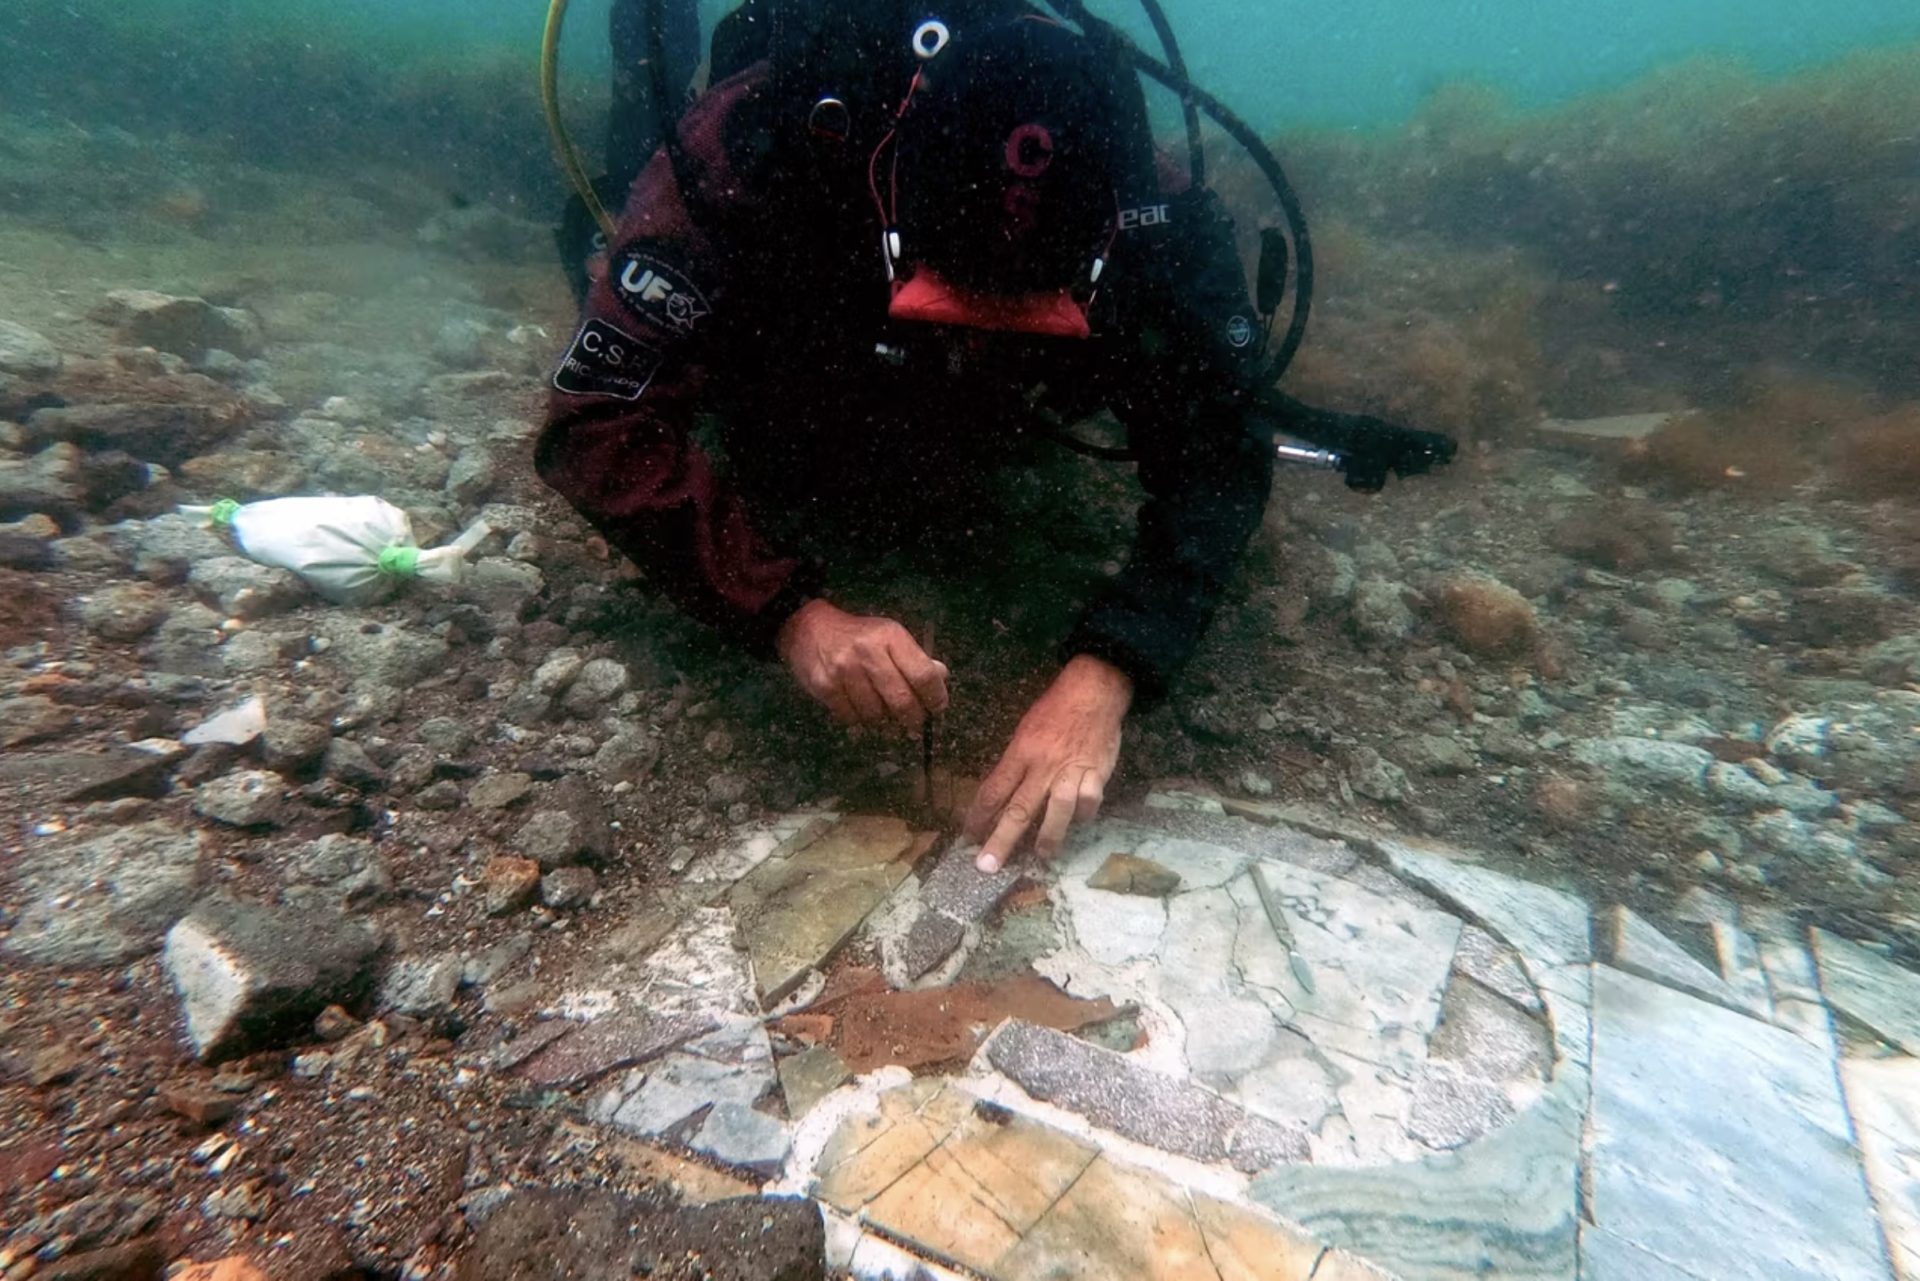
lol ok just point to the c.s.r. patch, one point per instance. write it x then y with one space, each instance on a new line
658 292
605 361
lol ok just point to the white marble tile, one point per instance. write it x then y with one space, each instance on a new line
1543 924
1719 1143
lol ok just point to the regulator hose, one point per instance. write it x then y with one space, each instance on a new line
563 148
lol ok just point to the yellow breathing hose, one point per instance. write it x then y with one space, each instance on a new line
550 99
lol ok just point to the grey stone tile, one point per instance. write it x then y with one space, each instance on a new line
961 891
1113 928
1719 1143
1544 925
1160 1111
1503 1206
1451 1108
930 940
1870 990
608 1044
1489 1038
1634 945
1493 964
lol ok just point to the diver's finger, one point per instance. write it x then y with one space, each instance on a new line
1062 801
838 704
928 678
1092 795
867 703
993 793
903 705
1015 819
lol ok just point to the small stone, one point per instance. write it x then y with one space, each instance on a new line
55 1065
439 797
1254 783
291 746
249 798
337 871
1130 874
1486 617
200 1106
599 682
421 987
558 670
1376 778
31 717
249 1200
552 838
568 887
509 884
347 762
334 1024
1439 755
498 791
125 612
628 756
485 966
1379 615
718 744
448 735
249 975
724 790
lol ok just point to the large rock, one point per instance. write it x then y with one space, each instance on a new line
1486 617
26 354
96 899
50 483
161 432
249 976
165 549
248 798
123 612
337 871
184 326
245 589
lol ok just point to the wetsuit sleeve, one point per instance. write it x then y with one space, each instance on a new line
618 437
1189 344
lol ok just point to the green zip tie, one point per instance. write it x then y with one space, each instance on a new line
400 562
224 510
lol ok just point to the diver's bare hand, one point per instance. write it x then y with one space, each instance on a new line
867 671
1057 767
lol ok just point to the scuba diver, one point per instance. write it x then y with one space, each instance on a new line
879 247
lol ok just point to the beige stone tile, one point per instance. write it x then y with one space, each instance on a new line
868 1154
940 1209
1114 1222
1246 1246
1024 1166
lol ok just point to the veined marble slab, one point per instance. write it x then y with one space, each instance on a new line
1720 1145
1871 990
